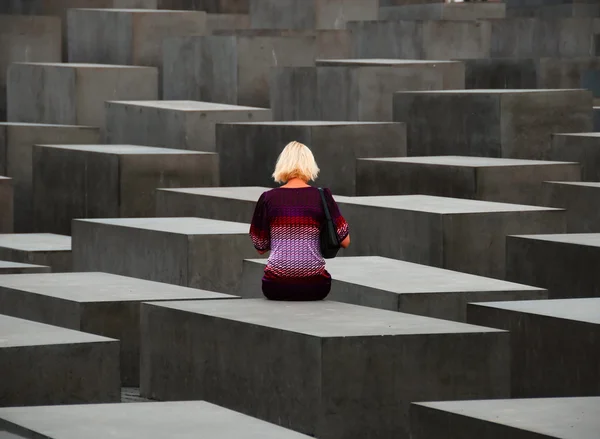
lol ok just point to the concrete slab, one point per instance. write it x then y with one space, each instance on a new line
303 365
443 11
403 286
98 303
74 93
6 201
7 267
43 365
210 6
559 337
597 119
248 151
155 420
110 181
583 147
16 158
556 418
579 199
565 9
37 248
216 22
174 124
501 123
193 252
479 178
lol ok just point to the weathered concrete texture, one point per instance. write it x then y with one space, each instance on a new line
73 93
582 147
193 252
487 179
451 233
42 365
174 124
110 181
581 201
6 205
564 264
37 248
403 286
330 370
292 92
215 22
310 14
552 418
210 6
559 337
16 157
7 267
491 123
556 10
97 303
26 39
443 11
597 119
248 152
152 421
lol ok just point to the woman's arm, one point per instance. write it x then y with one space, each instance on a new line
346 242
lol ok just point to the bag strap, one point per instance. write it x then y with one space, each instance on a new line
325 207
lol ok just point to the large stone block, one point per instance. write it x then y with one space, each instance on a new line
6 202
74 93
42 365
563 10
193 252
248 151
211 6
97 303
564 264
428 291
16 158
559 337
37 248
487 179
597 119
216 22
110 181
174 124
582 147
330 370
444 11
451 233
552 418
7 267
581 200
491 123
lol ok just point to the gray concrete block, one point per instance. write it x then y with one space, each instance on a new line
443 11
596 119
192 252
152 421
582 147
16 158
581 200
551 418
566 265
6 202
292 93
210 6
37 248
27 39
174 124
110 181
216 22
559 337
478 178
97 303
7 267
564 10
491 123
43 365
451 233
330 370
403 286
248 151
74 93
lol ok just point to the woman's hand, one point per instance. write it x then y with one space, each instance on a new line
346 242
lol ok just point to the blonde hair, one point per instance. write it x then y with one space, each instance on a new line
295 161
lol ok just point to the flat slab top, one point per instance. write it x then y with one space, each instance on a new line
156 420
35 242
101 287
493 91
576 183
11 265
178 226
65 65
188 105
380 62
585 239
322 319
44 125
578 134
126 149
466 161
5 179
314 123
18 332
564 418
141 11
246 193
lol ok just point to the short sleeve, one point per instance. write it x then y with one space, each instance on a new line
260 231
341 226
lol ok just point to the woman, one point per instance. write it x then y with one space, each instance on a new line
287 220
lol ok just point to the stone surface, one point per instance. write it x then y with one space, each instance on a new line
6 202
582 147
211 6
7 267
110 181
581 201
73 93
327 369
597 119
560 10
491 123
215 22
403 286
564 264
174 124
16 157
193 252
248 151
97 303
42 365
551 418
443 11
37 248
487 179
559 337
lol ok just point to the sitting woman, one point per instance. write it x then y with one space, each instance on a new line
287 220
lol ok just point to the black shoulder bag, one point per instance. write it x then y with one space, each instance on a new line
329 240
